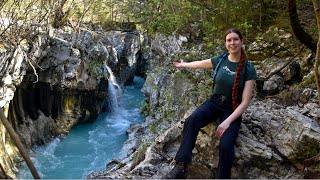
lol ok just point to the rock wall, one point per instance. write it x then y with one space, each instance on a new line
275 141
58 80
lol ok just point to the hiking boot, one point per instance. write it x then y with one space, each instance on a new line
179 171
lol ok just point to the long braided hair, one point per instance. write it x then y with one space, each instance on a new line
243 57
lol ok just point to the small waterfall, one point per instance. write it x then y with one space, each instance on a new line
114 92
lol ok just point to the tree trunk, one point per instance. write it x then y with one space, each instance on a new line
298 30
19 145
317 61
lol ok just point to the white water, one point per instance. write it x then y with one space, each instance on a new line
114 90
89 147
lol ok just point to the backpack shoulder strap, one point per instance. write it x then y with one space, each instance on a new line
224 56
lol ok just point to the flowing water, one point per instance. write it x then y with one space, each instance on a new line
89 147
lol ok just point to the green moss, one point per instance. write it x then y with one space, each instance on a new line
309 81
158 71
146 48
168 99
144 108
307 149
139 155
154 87
181 74
153 129
169 114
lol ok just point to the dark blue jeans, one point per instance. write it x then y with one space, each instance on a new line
208 112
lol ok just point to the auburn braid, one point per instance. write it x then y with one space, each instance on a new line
235 88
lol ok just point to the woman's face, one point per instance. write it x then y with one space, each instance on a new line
233 43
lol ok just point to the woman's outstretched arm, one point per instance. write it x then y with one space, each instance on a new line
203 64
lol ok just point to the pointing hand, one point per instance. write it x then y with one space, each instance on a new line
178 64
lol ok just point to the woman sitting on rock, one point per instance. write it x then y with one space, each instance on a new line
234 80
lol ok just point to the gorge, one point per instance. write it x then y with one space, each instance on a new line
66 84
60 83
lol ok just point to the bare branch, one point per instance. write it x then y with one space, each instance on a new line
32 66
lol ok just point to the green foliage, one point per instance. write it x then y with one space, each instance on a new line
169 114
153 129
205 20
181 74
198 19
192 56
154 87
145 108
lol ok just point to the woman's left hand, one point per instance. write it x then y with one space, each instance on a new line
222 128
